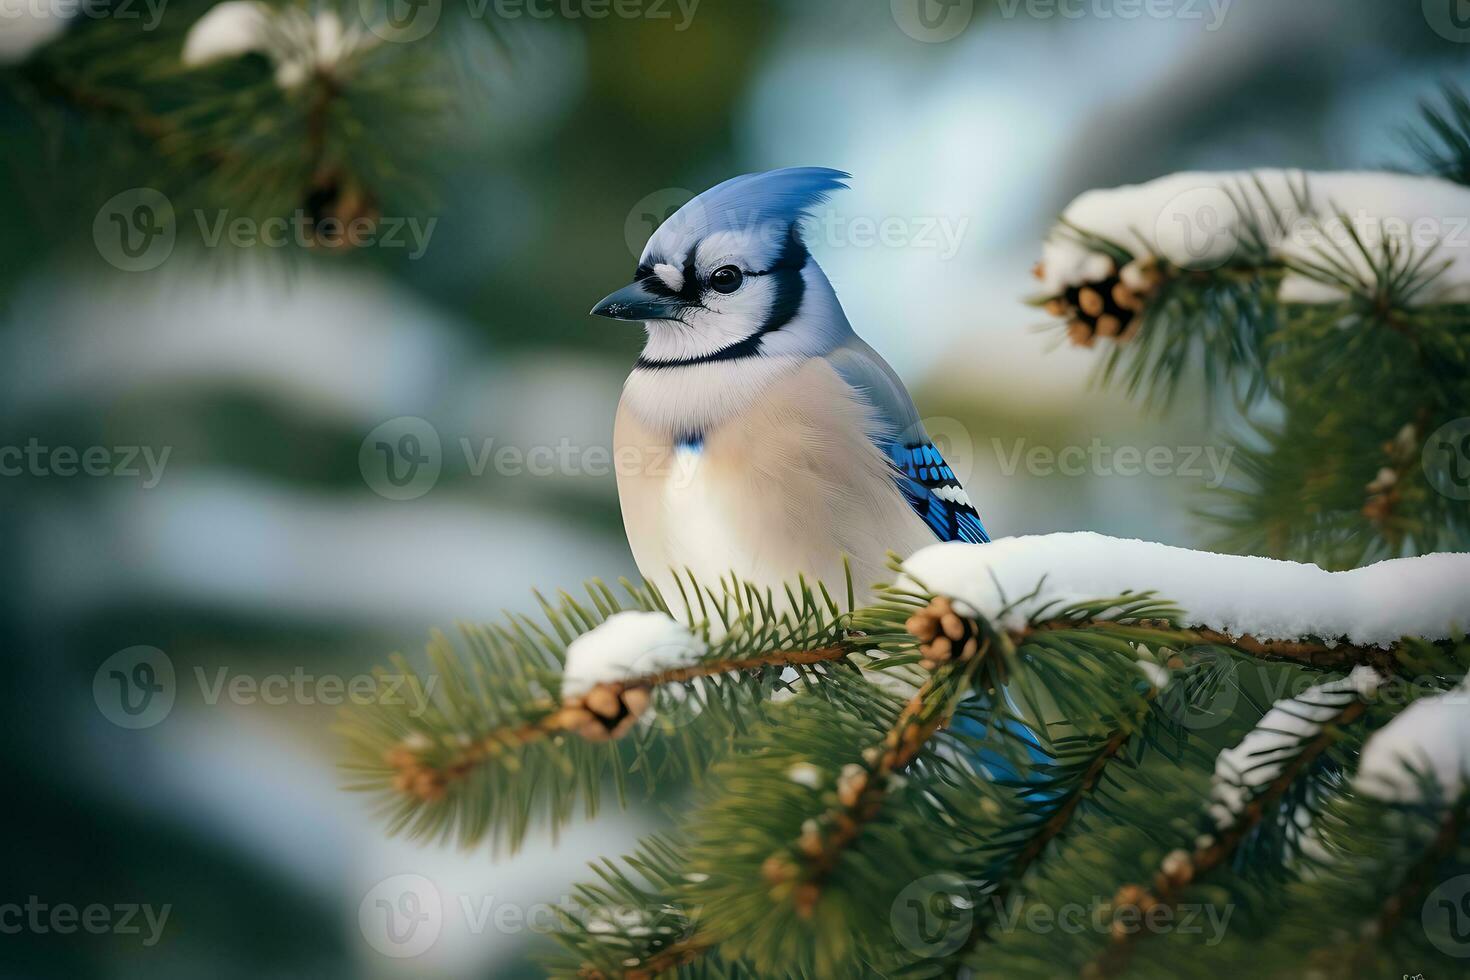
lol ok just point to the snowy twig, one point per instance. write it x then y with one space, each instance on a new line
605 710
1018 582
1318 654
1250 779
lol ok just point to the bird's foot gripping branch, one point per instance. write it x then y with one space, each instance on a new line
1018 757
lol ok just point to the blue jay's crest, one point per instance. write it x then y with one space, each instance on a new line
764 206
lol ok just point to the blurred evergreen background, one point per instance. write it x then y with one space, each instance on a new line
550 145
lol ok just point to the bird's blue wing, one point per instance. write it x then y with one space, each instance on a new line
932 489
926 480
934 492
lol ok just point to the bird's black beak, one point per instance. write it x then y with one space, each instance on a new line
636 302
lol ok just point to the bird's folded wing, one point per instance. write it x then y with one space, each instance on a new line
926 480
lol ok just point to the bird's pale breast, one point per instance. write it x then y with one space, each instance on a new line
786 487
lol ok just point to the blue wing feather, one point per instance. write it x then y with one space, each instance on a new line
926 480
935 494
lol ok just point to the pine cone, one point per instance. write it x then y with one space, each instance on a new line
1110 307
608 711
943 634
341 211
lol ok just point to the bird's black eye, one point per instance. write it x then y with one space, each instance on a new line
726 279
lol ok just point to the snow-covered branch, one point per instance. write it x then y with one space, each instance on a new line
1323 229
1017 582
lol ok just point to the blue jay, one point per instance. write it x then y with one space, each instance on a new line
757 432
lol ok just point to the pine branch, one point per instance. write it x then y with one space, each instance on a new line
1059 820
483 744
1363 845
1443 140
861 791
1182 868
428 778
1417 877
1310 653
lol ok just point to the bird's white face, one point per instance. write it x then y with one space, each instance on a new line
717 296
730 298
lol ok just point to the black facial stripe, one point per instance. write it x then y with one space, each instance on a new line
788 287
788 284
691 280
